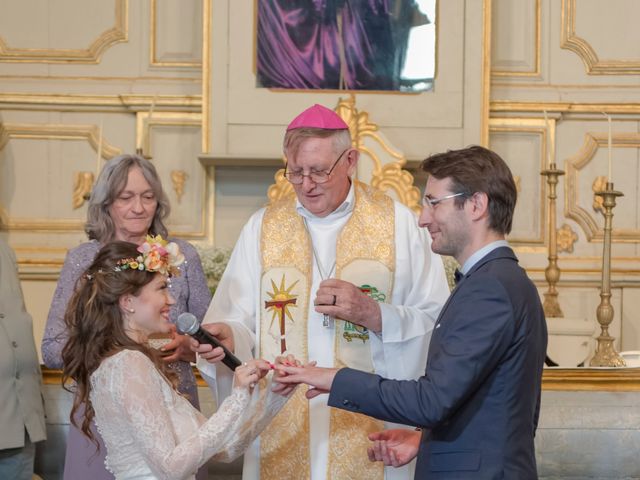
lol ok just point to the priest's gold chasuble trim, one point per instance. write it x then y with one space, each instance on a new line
365 256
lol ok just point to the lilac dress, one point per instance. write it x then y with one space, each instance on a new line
191 294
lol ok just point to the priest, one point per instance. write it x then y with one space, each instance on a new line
337 273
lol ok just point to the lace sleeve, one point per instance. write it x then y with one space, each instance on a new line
263 407
138 392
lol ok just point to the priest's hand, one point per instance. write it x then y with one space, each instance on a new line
223 333
179 348
319 379
395 447
344 300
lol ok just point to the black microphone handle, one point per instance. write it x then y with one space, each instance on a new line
230 360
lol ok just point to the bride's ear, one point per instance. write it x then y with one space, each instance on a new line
125 303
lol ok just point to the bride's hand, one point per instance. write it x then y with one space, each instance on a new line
290 361
249 373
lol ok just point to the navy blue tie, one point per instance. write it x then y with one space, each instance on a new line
458 275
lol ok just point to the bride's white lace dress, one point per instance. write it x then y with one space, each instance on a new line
151 432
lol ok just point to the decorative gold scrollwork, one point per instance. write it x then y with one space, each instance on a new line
179 178
82 185
280 189
598 185
566 238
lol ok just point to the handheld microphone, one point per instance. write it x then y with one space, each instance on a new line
187 324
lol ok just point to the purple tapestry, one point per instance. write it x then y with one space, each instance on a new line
334 44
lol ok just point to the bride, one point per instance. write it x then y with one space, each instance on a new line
150 431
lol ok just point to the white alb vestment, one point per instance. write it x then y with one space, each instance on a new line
151 432
419 292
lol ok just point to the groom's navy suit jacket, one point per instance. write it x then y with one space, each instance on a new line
479 399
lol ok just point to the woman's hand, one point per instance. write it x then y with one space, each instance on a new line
178 349
249 373
278 387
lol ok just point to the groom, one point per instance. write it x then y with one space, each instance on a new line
477 405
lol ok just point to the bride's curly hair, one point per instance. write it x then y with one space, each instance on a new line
96 326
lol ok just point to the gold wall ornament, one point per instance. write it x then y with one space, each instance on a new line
178 178
280 189
566 238
393 177
606 355
518 181
82 185
593 64
598 185
582 212
92 54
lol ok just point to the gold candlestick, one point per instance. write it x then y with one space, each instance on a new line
606 355
552 272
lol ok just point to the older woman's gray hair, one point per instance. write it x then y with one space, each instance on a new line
111 181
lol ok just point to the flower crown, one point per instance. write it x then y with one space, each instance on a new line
156 255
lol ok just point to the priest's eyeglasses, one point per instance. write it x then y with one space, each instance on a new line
297 178
432 202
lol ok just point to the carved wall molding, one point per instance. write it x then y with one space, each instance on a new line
92 54
88 133
535 72
588 221
598 185
510 106
75 102
569 40
537 127
194 62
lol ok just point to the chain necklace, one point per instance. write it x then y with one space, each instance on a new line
327 321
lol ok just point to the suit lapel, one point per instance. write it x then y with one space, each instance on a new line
500 252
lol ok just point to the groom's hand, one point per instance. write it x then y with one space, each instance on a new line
395 447
319 379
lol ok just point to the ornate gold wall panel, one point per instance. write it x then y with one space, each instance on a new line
86 133
576 209
124 102
593 64
190 218
522 28
161 57
92 54
526 164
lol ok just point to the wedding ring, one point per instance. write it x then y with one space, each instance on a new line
334 300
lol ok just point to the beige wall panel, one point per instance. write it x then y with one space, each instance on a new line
607 43
239 193
67 30
176 33
124 67
630 319
38 295
524 153
175 149
590 161
515 38
262 110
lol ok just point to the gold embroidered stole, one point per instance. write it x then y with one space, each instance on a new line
365 257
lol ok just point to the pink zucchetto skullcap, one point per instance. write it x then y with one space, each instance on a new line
318 117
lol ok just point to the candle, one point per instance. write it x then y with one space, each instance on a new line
145 144
99 148
550 146
609 147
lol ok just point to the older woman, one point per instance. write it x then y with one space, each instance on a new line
127 203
